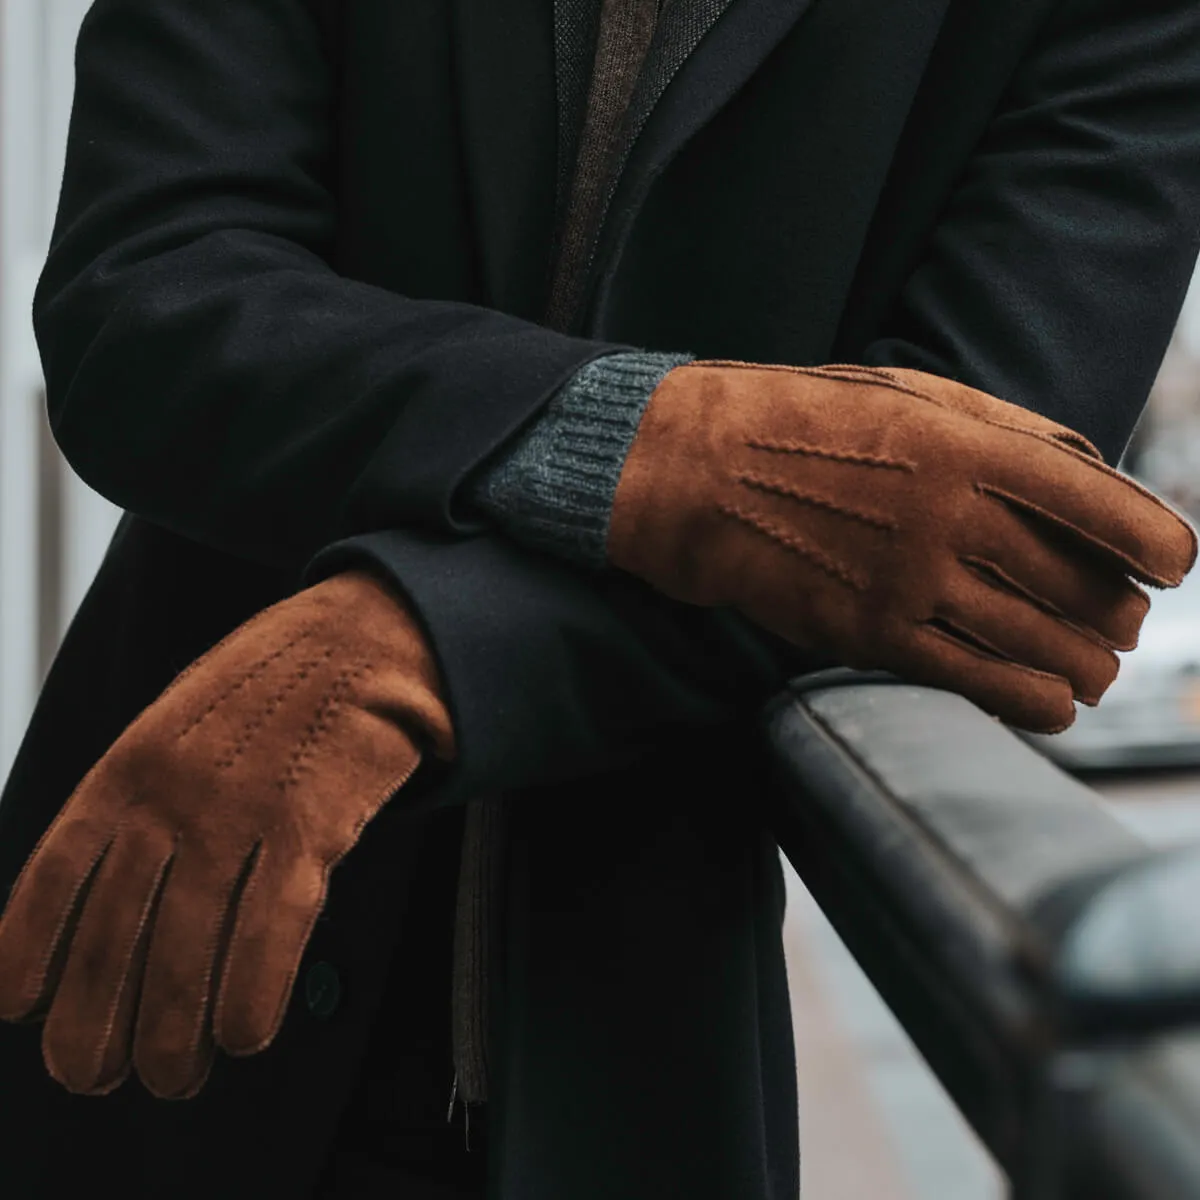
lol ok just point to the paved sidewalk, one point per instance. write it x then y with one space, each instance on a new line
874 1123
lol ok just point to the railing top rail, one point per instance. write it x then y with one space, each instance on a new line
1011 922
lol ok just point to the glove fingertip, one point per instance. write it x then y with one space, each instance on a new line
176 1089
79 1079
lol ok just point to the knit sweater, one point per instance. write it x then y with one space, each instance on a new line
552 486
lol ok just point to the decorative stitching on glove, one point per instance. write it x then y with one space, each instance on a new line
1061 443
789 541
935 631
135 950
844 456
51 965
221 944
329 703
994 575
882 378
978 645
254 724
252 673
774 488
1028 506
968 639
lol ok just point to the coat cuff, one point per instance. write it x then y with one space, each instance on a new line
552 488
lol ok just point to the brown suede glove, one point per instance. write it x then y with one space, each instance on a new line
166 909
898 521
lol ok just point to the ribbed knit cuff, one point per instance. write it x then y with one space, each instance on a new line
553 487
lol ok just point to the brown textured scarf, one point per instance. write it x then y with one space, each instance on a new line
623 38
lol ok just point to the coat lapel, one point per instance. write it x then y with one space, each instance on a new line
720 42
860 59
681 26
523 71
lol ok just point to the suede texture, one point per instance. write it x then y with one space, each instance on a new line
896 520
165 911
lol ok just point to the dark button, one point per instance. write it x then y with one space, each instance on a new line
322 989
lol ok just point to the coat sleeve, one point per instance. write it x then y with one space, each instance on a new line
206 366
1053 278
208 370
1057 269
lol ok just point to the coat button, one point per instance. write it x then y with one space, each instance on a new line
322 990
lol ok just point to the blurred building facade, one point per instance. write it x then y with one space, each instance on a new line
53 529
1166 447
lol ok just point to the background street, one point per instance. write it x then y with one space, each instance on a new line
874 1122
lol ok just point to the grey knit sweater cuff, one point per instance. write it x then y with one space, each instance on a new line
553 487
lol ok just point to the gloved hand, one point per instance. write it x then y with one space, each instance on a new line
894 520
166 909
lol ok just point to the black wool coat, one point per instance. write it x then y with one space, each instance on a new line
292 303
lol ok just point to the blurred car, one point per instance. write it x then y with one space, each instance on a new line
1150 716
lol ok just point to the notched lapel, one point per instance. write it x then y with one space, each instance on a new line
706 49
681 26
523 70
861 57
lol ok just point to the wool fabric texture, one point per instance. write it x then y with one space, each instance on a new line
553 488
624 35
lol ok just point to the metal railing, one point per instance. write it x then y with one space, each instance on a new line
1045 961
